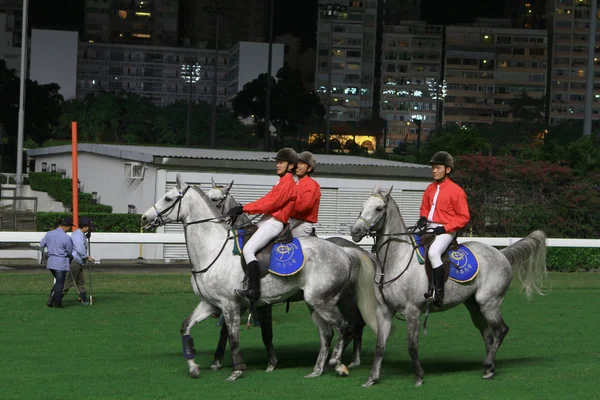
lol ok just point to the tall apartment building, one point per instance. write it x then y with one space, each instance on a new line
411 80
570 34
11 23
144 22
346 50
395 11
529 14
485 67
240 21
149 71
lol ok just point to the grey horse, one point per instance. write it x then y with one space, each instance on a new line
216 273
401 282
224 201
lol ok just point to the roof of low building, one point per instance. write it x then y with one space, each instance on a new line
257 160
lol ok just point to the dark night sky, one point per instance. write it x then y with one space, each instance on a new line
296 17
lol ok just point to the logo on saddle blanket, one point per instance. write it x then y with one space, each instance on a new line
286 258
464 266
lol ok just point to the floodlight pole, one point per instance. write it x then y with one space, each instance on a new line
23 79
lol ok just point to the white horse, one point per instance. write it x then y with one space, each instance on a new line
224 201
216 272
401 281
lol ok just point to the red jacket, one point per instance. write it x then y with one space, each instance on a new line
451 209
306 207
279 202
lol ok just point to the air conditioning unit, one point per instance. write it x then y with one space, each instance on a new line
134 170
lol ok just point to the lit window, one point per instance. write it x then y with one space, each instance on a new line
142 14
122 14
142 35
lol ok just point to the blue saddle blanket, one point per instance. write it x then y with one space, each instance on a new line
286 258
464 265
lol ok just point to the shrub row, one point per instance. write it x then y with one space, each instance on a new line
573 259
103 222
62 190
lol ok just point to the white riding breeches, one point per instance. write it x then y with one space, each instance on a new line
268 229
301 228
439 245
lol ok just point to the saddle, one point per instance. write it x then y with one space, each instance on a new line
426 241
264 255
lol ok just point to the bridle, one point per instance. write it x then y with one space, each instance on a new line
391 237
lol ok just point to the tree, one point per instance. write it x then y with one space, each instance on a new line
291 103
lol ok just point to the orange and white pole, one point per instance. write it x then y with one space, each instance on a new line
75 174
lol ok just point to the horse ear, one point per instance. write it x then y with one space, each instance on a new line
228 188
387 194
214 185
376 190
180 182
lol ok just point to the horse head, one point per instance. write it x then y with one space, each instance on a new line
373 213
224 201
218 193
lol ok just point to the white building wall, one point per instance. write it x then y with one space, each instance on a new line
54 59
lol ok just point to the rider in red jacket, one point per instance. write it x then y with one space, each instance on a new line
444 209
277 206
306 208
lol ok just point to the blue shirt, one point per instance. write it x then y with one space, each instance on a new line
60 247
80 253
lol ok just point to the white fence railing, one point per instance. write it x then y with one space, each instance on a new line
149 246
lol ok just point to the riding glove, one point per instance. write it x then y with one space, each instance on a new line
438 230
235 211
422 223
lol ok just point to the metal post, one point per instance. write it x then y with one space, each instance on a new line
589 83
213 122
23 78
329 84
267 139
188 135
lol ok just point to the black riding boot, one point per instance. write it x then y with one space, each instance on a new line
438 283
253 291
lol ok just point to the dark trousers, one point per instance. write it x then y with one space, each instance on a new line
60 277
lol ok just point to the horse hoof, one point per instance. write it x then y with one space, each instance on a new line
314 374
418 382
488 374
234 376
369 383
270 368
216 366
342 370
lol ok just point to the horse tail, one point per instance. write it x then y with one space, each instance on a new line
528 259
365 289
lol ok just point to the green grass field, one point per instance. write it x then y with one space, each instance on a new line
127 346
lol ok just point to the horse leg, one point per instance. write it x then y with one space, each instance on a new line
329 311
480 322
266 330
491 313
232 319
200 313
413 323
325 336
359 326
220 351
384 326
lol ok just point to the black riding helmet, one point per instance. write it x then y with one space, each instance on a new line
287 154
308 158
443 158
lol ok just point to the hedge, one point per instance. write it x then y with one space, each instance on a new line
62 190
573 259
46 221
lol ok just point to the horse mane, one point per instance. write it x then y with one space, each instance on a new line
209 202
383 193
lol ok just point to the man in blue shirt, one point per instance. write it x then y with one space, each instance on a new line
60 248
80 256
